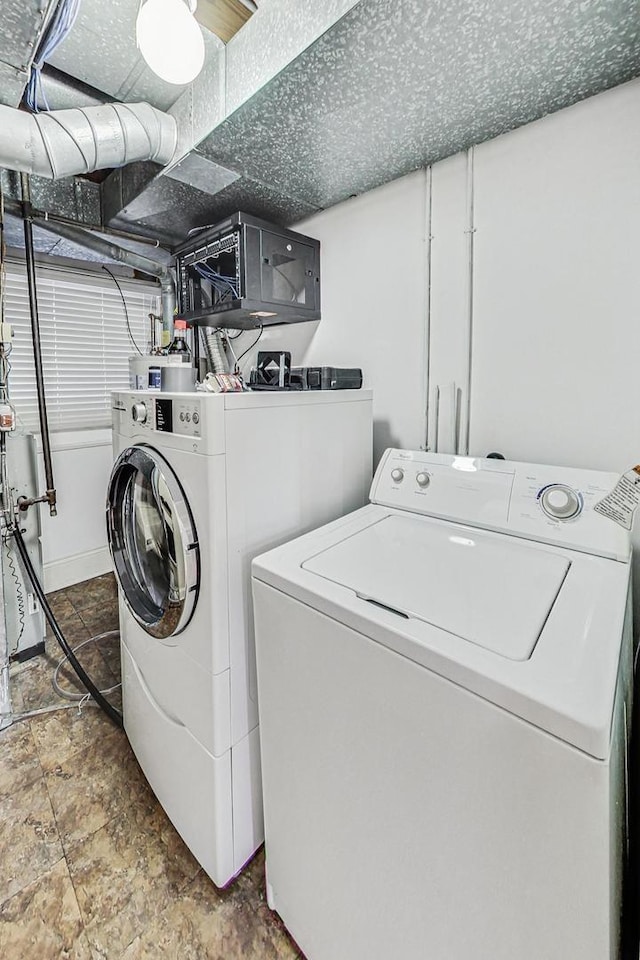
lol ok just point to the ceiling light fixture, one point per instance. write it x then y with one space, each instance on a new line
170 39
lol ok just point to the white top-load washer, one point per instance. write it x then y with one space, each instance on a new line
445 682
201 484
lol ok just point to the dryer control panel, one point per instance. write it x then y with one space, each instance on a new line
183 421
538 502
183 417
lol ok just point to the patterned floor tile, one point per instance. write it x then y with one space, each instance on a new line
29 841
91 660
93 594
100 620
58 736
19 763
148 867
202 924
42 922
33 687
92 786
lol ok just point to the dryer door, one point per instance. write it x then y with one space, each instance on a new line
153 542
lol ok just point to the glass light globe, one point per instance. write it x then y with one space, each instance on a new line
170 40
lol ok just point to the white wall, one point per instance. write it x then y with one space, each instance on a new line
74 544
556 304
374 285
554 313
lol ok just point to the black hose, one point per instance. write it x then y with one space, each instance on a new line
37 347
102 701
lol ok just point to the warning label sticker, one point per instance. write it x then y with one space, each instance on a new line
620 505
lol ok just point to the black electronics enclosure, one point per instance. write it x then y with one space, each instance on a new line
245 272
326 378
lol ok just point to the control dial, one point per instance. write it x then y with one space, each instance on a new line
139 413
423 479
560 502
397 475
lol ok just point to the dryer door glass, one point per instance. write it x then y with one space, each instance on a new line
153 542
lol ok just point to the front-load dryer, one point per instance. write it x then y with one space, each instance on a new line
445 682
201 484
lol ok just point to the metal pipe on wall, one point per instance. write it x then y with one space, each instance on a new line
168 306
13 207
50 494
107 248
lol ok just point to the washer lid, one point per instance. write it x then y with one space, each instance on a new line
488 589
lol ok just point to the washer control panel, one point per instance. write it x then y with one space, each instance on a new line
537 502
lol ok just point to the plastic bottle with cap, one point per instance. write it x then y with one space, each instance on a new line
179 343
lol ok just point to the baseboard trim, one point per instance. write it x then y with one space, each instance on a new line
20 656
69 570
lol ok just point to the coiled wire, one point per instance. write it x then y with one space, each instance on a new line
13 570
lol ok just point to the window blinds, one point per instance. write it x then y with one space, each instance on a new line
85 343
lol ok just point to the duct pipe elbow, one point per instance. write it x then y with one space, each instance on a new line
64 143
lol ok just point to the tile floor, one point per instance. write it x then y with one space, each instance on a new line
92 869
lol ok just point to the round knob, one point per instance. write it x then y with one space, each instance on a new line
560 502
397 475
139 413
423 479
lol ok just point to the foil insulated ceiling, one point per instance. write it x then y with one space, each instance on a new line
390 86
21 24
311 103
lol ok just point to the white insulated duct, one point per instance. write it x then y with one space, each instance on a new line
64 143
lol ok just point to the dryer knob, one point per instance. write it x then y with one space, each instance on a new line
139 413
561 502
423 479
397 475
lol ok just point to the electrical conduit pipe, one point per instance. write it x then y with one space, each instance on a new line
113 251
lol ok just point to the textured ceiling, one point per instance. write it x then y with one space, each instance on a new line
392 86
398 84
309 105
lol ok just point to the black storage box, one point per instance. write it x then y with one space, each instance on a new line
326 378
